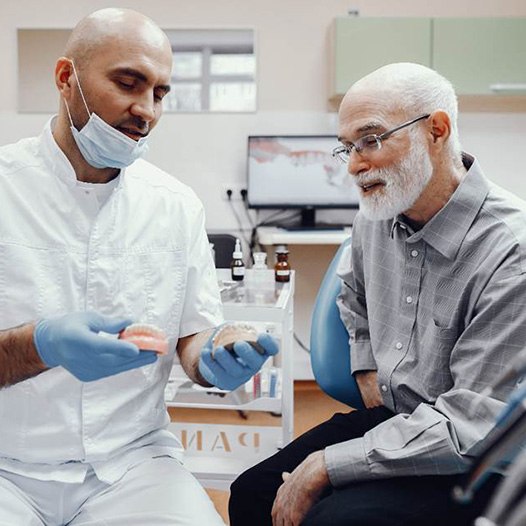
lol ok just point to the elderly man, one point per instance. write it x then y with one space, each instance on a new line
434 299
90 231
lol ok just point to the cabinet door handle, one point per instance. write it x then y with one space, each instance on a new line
509 86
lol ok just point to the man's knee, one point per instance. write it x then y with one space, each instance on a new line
252 496
245 484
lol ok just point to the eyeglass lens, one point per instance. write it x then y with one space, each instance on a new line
369 142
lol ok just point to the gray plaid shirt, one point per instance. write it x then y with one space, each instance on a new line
438 313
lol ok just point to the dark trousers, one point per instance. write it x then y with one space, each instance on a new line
407 501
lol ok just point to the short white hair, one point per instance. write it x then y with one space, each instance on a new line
416 90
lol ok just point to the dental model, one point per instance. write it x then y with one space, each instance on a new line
146 336
232 333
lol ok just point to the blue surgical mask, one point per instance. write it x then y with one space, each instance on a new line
102 145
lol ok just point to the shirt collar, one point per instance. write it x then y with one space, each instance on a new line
446 230
56 159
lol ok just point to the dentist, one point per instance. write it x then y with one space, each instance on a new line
92 237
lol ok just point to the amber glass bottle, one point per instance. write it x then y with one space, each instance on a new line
282 266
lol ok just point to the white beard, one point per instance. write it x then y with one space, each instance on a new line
404 182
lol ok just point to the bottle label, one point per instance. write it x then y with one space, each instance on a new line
238 271
282 272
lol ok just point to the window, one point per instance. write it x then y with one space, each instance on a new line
214 70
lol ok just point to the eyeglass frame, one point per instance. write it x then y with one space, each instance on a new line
348 149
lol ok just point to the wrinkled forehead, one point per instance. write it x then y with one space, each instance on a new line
368 111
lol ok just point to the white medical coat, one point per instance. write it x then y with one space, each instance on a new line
145 255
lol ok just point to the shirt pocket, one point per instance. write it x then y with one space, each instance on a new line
39 282
147 285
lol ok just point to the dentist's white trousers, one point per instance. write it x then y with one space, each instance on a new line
156 492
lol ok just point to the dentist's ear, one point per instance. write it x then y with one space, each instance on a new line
64 76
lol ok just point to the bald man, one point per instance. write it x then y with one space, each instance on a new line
434 299
92 238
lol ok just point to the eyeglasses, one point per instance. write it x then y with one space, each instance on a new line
369 143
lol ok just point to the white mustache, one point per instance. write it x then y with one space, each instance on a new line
377 176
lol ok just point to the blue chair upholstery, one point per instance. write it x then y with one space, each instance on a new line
329 341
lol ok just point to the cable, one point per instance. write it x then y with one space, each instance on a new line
270 221
244 195
301 344
238 219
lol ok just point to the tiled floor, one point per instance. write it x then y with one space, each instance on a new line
311 406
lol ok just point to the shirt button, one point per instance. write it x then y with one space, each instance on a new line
414 253
384 388
409 299
399 345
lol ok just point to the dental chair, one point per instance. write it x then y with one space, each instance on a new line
329 341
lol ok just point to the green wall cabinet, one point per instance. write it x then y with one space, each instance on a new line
364 44
481 56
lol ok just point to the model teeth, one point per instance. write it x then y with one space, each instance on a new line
144 329
147 337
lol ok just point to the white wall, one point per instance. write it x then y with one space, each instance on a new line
206 150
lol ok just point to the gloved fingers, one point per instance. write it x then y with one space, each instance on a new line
249 356
268 343
144 358
109 365
210 362
232 366
110 324
207 373
102 345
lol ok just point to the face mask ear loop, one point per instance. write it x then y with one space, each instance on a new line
69 113
80 89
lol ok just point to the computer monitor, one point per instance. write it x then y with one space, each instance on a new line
297 171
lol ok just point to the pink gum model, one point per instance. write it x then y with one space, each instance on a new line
147 337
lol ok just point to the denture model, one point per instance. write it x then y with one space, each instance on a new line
146 336
230 334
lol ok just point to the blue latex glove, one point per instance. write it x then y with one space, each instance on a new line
72 342
228 371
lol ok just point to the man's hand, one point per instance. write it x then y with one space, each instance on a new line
300 491
73 342
368 384
228 370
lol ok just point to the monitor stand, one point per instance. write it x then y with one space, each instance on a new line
308 222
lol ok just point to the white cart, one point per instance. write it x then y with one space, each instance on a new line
217 453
